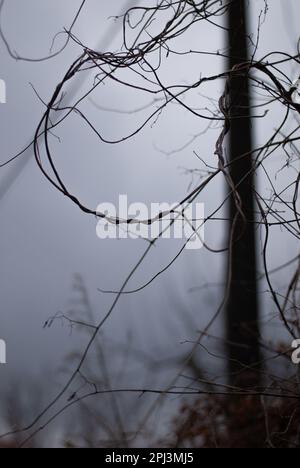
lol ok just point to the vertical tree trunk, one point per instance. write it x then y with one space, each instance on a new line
242 307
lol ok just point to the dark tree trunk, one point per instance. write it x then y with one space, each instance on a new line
242 307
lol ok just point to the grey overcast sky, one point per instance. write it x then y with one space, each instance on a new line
45 240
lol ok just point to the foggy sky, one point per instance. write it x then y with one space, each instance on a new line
45 239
